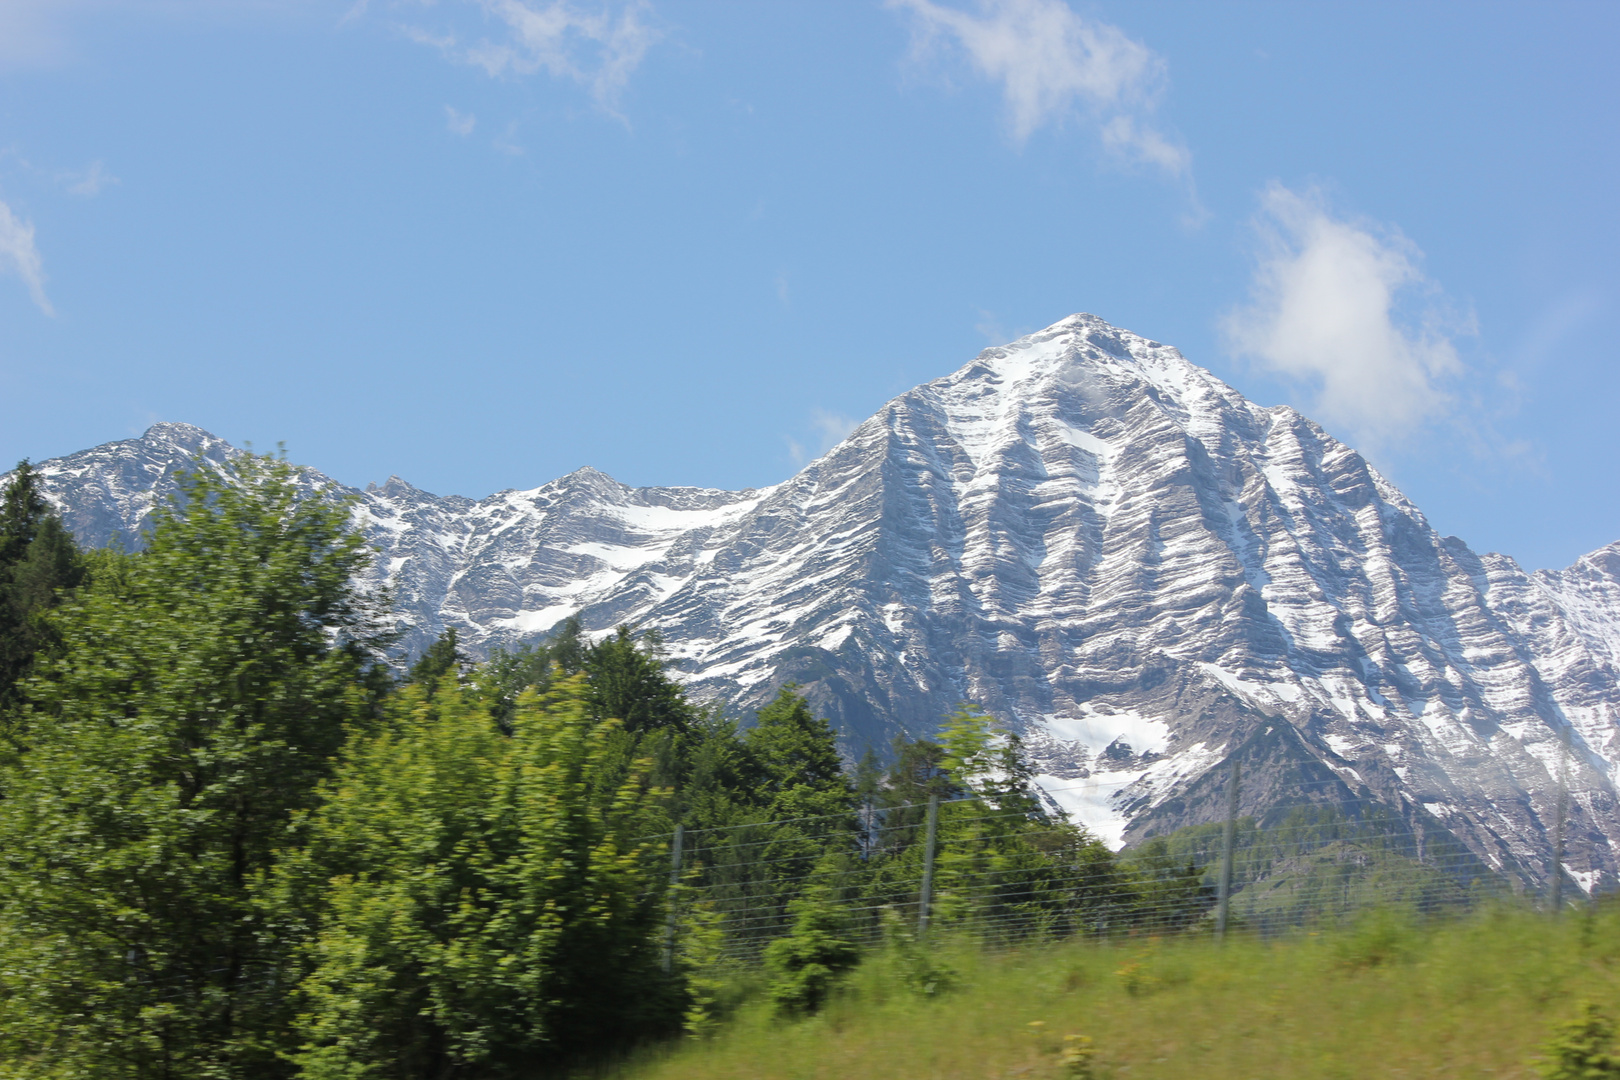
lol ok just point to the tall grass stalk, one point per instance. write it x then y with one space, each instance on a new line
1385 996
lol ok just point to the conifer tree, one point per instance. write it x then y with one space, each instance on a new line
803 799
39 564
998 854
569 648
22 508
805 965
503 678
796 753
442 658
185 723
628 683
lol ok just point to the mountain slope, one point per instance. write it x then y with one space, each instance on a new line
1103 544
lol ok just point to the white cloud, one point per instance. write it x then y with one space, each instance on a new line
458 122
18 254
995 332
830 429
1053 65
1342 307
90 181
598 46
989 328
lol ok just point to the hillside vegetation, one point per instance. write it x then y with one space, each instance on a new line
1385 997
239 840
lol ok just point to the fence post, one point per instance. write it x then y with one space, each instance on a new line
674 880
927 898
1558 828
1225 894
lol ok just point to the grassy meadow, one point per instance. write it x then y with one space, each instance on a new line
1384 997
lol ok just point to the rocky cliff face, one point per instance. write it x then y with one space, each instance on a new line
1101 543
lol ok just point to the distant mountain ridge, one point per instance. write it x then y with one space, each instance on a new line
1101 543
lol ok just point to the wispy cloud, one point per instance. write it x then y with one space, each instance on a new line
49 33
88 182
829 429
1342 307
1558 323
833 428
995 332
19 255
1054 66
32 34
458 122
598 46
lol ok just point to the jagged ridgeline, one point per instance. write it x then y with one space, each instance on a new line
237 843
1115 553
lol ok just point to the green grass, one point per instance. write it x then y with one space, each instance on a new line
1473 997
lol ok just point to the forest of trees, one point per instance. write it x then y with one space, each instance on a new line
236 840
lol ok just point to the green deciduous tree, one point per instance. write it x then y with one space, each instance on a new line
493 905
193 707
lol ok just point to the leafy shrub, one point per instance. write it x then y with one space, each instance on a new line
701 953
1583 1049
486 907
920 970
1380 936
1079 1058
804 965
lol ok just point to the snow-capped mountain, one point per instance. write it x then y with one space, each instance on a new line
1102 544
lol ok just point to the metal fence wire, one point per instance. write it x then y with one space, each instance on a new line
1010 875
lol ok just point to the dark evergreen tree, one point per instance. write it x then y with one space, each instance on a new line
917 772
39 564
22 509
443 657
568 648
628 683
868 785
796 753
1170 892
805 809
503 678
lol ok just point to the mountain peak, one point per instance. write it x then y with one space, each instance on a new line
395 488
1097 541
1084 347
175 433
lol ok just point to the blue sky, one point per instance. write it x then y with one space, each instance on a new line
480 243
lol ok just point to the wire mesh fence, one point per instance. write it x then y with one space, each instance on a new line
1010 875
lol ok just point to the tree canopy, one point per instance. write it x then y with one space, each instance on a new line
167 749
241 836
